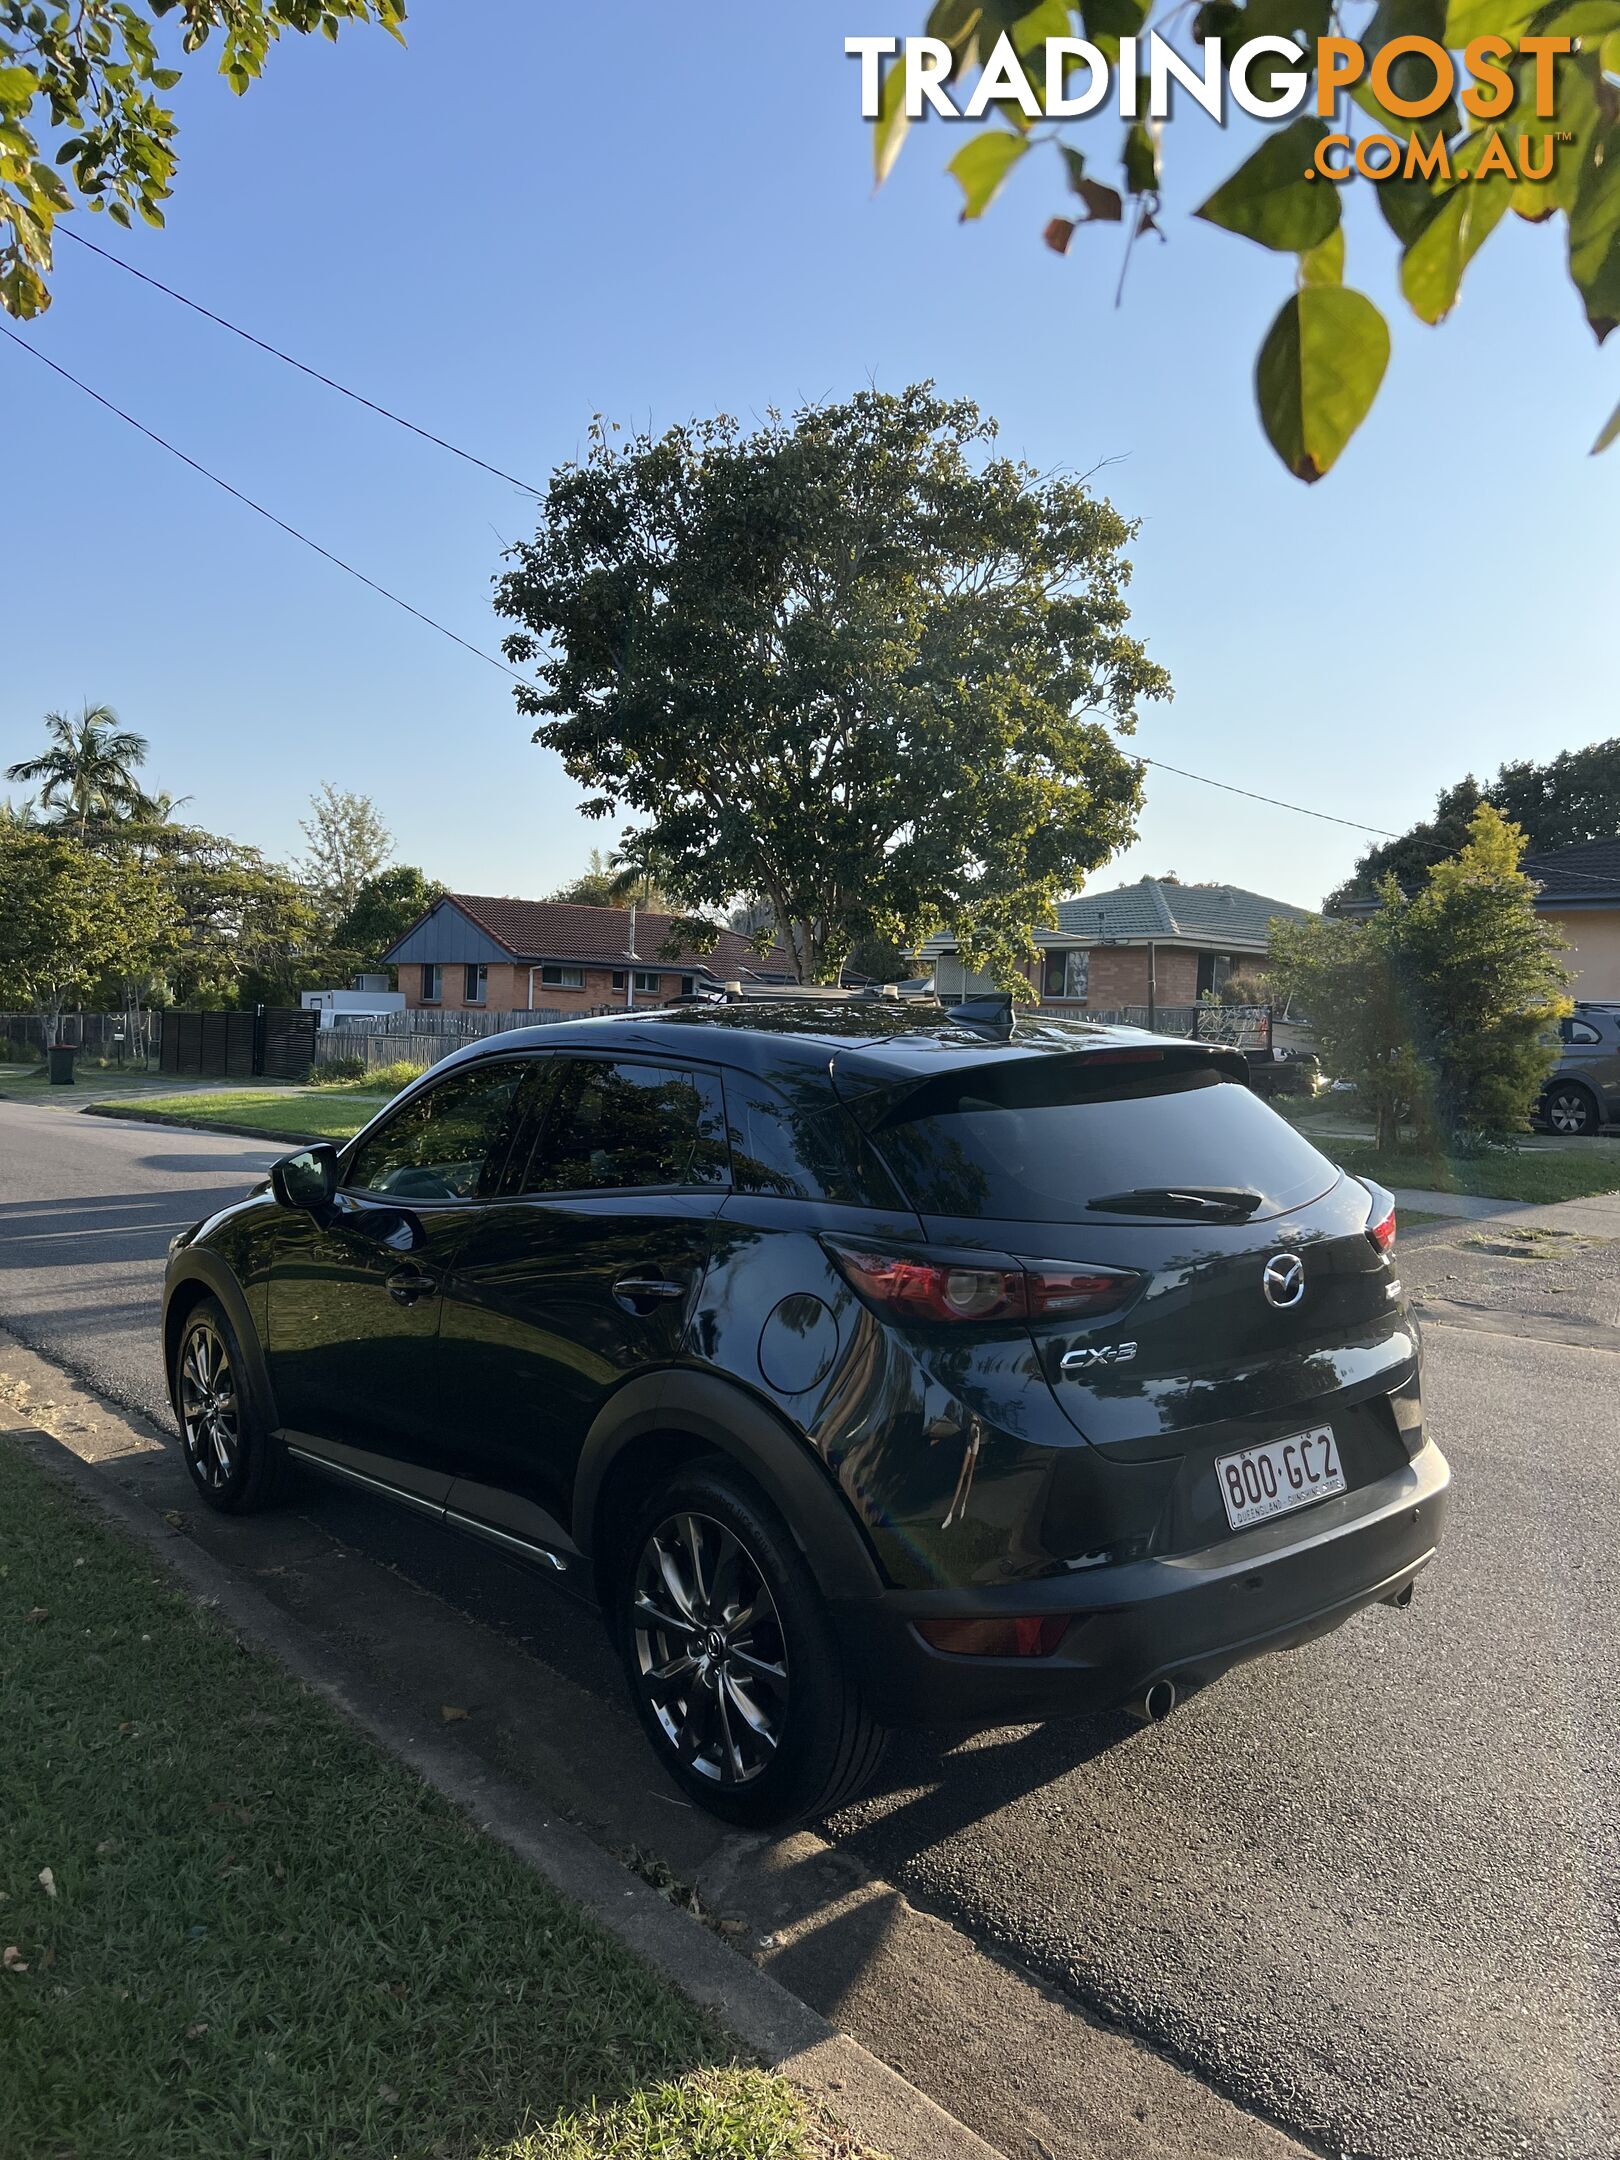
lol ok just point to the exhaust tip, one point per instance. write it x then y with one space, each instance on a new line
1403 1596
1155 1704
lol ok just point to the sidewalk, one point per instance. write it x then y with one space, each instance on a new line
1598 1216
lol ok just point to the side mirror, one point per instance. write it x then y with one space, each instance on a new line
308 1179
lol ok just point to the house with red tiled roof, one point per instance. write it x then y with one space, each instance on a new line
474 953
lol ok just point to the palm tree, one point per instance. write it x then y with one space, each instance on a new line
89 770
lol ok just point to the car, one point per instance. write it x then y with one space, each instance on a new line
1582 1095
865 1365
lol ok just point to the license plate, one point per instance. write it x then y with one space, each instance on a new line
1260 1482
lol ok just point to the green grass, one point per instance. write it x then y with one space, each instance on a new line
383 1080
269 1941
327 1113
1539 1175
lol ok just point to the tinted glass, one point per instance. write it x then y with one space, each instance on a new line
1036 1145
448 1143
615 1127
1579 1031
797 1141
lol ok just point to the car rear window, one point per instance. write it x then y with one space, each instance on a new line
1036 1142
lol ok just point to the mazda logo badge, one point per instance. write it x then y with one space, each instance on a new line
1283 1280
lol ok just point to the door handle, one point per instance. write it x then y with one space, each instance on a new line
637 1291
405 1285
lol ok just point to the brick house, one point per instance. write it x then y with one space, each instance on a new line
1154 944
472 953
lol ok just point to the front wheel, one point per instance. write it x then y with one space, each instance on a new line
1571 1109
235 1463
735 1667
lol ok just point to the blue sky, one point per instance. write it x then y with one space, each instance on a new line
535 213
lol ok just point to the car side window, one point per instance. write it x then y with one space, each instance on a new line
616 1127
1579 1031
449 1142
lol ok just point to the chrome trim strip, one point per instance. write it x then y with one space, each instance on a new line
435 1508
507 1538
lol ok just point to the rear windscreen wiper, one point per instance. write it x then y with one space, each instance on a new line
1196 1202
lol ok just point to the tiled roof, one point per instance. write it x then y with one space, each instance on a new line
1220 917
561 930
1589 871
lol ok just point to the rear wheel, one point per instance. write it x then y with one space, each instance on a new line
732 1659
1571 1109
235 1463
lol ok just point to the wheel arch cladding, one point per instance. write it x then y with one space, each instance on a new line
693 1414
207 1277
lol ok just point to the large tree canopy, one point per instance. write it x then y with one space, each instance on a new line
74 924
1322 360
855 663
82 111
1573 797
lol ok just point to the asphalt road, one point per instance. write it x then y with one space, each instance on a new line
1371 1889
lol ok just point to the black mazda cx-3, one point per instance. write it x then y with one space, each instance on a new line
868 1364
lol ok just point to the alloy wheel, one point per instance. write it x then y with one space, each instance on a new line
210 1415
709 1649
1568 1111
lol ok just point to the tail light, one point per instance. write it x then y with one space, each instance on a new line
915 1287
1381 1222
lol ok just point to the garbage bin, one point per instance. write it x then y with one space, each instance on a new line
61 1057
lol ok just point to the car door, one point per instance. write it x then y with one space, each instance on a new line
583 1272
356 1292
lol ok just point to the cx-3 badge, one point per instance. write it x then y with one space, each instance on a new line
1284 1280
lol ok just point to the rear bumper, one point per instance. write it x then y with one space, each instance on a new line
1187 1619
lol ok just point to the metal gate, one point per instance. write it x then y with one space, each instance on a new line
268 1043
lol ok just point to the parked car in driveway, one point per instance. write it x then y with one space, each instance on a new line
1582 1094
867 1365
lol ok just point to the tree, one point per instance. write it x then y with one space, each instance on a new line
72 922
1485 982
1573 797
1440 1007
82 111
244 931
348 846
608 882
854 663
384 909
89 770
1323 359
1342 978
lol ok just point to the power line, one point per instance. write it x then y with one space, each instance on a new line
302 366
1272 801
269 515
1436 848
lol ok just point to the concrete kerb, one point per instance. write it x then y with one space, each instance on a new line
873 2101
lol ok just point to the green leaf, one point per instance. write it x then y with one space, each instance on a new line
1590 20
1074 165
1611 432
1609 54
1269 199
889 129
1318 373
1049 19
1456 227
1594 232
18 86
1324 263
1141 158
1413 77
981 166
1467 19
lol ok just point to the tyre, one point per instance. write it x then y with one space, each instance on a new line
235 1463
1571 1109
732 1659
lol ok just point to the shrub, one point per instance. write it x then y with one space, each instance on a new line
337 1071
